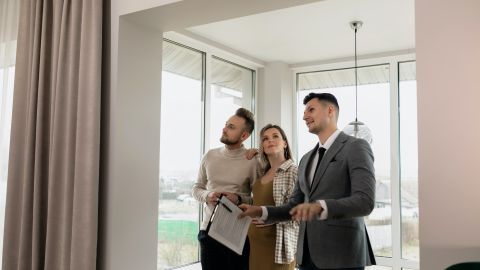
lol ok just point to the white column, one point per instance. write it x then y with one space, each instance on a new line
275 96
129 197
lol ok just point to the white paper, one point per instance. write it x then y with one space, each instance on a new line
227 229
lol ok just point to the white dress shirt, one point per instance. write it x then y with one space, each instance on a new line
328 143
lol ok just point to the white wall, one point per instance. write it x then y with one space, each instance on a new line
448 72
275 98
132 195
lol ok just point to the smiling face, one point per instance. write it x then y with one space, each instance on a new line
273 142
319 116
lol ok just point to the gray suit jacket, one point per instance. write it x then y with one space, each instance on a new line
345 179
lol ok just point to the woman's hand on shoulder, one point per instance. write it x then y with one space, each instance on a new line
251 153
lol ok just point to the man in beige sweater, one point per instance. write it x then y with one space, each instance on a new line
225 171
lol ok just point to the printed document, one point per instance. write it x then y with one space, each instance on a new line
226 228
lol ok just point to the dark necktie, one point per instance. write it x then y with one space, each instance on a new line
321 152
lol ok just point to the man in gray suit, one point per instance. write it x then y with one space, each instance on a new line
334 191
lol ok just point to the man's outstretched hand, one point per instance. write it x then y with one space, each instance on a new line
306 211
252 211
301 212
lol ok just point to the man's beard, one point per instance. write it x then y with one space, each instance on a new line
226 141
316 129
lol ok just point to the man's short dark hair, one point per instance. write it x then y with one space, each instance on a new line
325 97
248 117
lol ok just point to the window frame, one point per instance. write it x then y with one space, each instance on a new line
208 53
218 57
396 261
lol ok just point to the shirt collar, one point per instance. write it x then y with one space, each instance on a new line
330 140
286 164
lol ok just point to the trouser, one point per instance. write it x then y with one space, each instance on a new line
214 255
307 263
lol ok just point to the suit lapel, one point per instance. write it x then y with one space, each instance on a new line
329 155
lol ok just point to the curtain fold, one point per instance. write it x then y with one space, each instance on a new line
53 180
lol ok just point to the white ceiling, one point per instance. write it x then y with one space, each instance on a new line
318 31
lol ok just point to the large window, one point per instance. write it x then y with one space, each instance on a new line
387 105
189 127
374 110
180 152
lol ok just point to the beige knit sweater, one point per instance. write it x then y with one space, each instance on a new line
227 170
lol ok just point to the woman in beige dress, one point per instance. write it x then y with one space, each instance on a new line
273 246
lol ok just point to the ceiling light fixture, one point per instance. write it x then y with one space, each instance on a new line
356 128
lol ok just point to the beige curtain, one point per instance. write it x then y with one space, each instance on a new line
53 179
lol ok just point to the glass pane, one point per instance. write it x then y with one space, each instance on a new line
231 88
6 101
378 267
409 161
374 111
180 154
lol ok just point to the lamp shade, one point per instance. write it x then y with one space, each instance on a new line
358 129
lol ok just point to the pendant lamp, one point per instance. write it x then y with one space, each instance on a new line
356 128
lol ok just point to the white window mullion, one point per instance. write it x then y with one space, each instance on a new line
205 123
207 118
295 96
253 102
395 167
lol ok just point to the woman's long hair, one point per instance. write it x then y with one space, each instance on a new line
287 152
